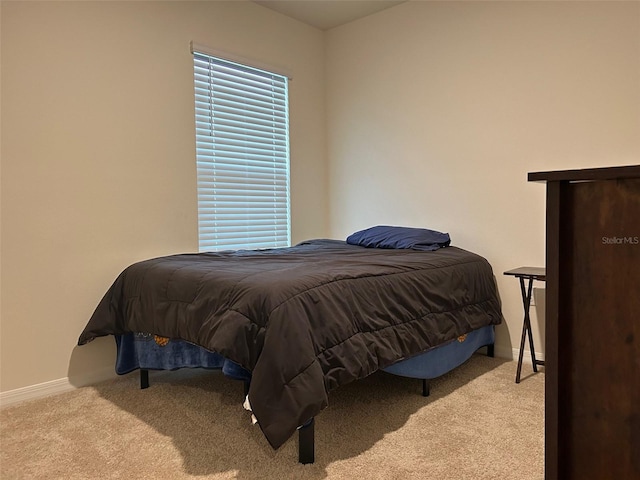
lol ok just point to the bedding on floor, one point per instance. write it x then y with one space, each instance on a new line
306 319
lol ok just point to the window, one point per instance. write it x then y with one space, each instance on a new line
242 155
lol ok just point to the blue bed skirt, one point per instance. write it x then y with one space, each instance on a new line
441 359
150 352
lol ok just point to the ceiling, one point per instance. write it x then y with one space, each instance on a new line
326 14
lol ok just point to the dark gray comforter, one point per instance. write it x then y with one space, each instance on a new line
304 319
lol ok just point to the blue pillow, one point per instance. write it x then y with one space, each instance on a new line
383 236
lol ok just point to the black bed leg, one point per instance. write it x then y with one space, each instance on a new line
425 387
491 351
144 378
306 453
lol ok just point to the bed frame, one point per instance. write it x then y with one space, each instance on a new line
426 366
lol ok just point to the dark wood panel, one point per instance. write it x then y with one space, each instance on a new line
551 355
586 174
598 399
592 373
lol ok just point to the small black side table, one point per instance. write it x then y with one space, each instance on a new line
530 274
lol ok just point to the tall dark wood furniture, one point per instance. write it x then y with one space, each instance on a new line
592 355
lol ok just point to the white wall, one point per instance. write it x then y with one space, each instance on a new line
436 111
98 156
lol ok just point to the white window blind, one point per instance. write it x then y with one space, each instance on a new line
242 154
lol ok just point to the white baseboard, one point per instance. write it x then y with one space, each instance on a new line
53 387
512 354
19 395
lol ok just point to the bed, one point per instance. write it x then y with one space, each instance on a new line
295 323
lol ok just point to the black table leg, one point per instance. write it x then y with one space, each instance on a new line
522 340
526 328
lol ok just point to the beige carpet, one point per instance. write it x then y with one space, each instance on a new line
477 424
